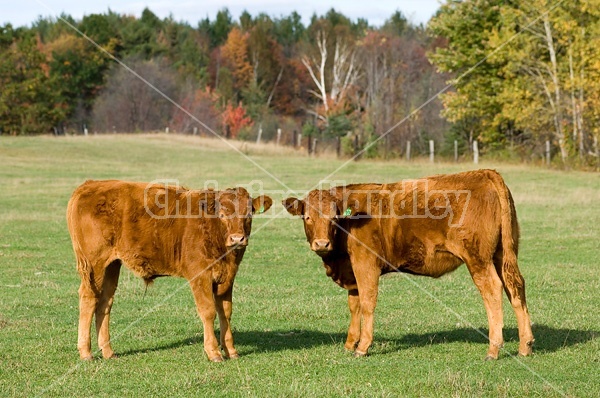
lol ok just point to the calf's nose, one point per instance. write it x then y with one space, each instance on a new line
237 240
321 245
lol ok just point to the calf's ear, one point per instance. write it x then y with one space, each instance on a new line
354 206
261 204
294 206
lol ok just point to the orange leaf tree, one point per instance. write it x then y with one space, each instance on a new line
234 119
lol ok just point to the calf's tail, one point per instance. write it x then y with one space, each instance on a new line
83 265
509 225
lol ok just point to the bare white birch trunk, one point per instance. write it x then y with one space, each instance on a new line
557 93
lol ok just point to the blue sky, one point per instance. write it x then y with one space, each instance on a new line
24 12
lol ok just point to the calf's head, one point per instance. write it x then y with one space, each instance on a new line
235 208
320 211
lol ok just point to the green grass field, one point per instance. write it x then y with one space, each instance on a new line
289 319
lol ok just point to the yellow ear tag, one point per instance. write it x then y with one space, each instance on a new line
261 210
348 212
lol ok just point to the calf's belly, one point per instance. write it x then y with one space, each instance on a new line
434 265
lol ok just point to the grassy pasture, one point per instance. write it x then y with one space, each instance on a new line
289 319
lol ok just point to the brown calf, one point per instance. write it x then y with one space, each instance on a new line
157 230
426 227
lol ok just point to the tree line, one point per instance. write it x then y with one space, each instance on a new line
539 80
519 76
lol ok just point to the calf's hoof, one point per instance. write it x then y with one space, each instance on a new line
527 350
217 359
494 351
87 358
359 354
350 346
233 356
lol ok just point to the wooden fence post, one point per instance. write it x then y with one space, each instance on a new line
407 150
278 136
314 146
455 151
387 146
475 152
547 152
195 130
431 151
259 134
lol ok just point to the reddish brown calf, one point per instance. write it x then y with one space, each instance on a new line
157 230
425 227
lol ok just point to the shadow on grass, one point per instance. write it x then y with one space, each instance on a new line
548 339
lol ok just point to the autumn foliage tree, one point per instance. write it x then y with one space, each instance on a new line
235 57
27 103
235 119
77 72
527 70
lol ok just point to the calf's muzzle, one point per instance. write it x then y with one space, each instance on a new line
237 241
321 245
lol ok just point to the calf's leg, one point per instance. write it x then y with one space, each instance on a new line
224 308
87 306
367 279
109 286
514 286
354 329
488 282
205 304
